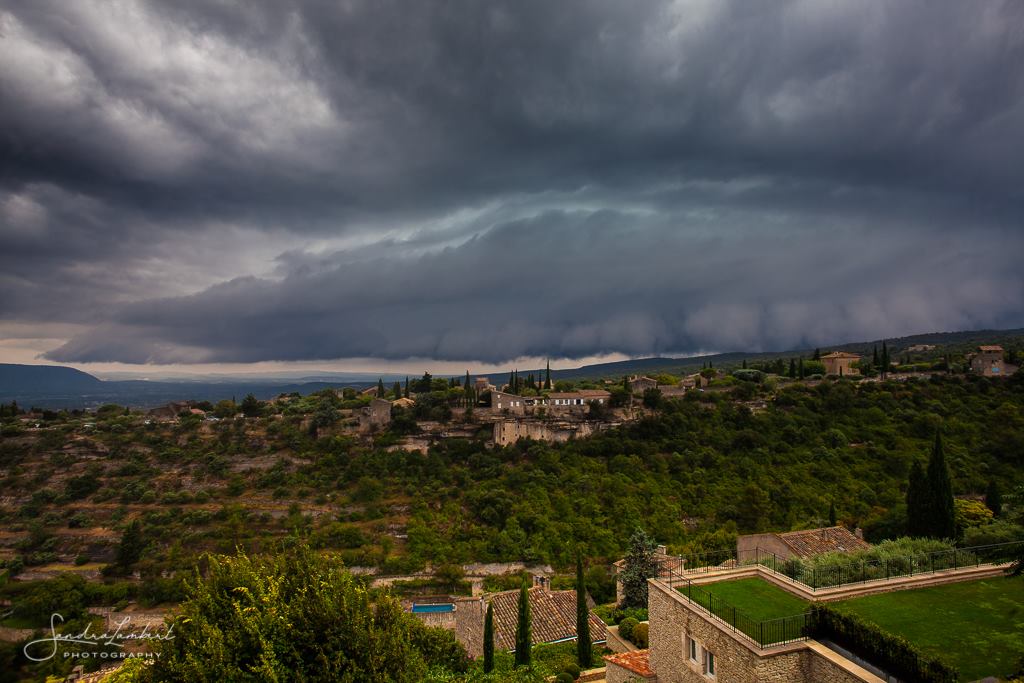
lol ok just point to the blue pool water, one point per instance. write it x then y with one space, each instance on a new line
433 607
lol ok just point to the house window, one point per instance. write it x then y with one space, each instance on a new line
709 663
691 647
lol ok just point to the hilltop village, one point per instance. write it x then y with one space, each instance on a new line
426 409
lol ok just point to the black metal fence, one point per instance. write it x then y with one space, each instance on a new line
816 575
764 632
800 626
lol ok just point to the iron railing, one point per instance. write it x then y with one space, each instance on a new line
815 577
772 632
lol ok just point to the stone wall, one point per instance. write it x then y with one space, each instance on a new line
746 546
737 659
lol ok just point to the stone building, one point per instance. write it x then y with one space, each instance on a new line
840 363
629 667
805 543
578 401
502 402
988 361
376 415
509 431
639 384
687 645
553 619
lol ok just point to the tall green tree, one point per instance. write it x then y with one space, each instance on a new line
994 498
941 511
380 388
489 639
885 360
800 367
584 653
524 641
129 550
547 376
640 565
832 513
917 502
407 386
397 391
792 368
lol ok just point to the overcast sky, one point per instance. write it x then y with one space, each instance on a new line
356 184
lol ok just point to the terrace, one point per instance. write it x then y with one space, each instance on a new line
963 600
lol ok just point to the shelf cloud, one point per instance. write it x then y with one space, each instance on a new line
187 182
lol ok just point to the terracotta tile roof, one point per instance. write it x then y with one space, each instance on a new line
840 354
552 617
991 348
636 661
817 541
582 393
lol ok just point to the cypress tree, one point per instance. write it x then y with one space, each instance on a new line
744 363
817 354
792 368
380 388
874 355
583 649
994 498
547 376
917 502
942 512
523 639
407 386
465 384
832 513
489 639
800 368
397 391
885 360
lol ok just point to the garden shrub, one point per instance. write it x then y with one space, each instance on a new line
626 627
890 652
564 678
572 669
640 636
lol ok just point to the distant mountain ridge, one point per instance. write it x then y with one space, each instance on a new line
53 386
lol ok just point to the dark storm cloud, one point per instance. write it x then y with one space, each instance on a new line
696 164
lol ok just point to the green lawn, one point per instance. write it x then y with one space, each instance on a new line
757 598
976 626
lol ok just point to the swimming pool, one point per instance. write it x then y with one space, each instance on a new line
433 607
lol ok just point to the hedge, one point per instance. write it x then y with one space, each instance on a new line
892 653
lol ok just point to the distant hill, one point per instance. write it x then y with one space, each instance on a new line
15 379
53 386
49 386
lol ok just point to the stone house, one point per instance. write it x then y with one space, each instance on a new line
639 384
687 645
376 415
561 401
504 402
840 363
629 667
552 613
403 403
806 543
988 361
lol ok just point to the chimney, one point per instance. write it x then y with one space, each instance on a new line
859 533
661 550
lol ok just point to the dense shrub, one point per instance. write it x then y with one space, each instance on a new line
626 627
640 635
564 678
892 653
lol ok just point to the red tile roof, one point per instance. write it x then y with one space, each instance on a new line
636 661
812 542
552 617
991 348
